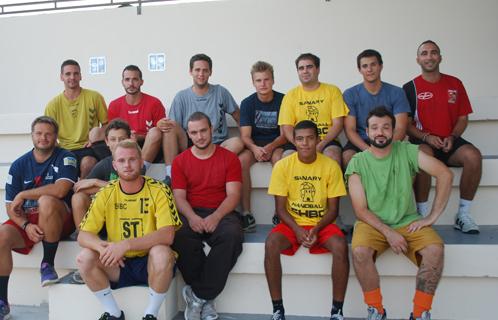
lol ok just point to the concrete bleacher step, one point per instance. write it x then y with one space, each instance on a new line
78 302
483 206
483 124
471 263
239 316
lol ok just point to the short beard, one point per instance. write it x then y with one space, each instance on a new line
203 147
380 145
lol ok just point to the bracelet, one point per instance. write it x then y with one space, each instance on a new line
25 225
425 136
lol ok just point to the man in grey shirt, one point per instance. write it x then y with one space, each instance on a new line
213 100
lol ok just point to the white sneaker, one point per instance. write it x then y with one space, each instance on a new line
208 311
426 315
193 304
466 224
373 314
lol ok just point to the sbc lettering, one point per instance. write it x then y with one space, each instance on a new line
120 206
308 213
323 131
130 228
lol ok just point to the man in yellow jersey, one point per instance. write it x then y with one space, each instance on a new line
78 111
318 102
140 218
307 186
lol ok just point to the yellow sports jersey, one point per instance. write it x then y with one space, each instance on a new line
131 215
77 117
320 106
307 186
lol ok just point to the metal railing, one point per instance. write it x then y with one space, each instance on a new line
12 7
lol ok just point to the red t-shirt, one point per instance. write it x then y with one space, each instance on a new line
141 117
205 179
437 106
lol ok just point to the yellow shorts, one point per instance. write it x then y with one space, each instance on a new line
365 235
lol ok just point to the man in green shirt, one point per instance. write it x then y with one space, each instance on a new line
380 184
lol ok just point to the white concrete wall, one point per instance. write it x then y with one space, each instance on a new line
235 34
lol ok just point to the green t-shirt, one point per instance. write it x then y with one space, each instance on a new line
388 183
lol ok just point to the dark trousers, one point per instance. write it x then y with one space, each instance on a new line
207 275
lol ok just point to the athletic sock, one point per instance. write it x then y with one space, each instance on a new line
337 307
421 302
423 208
147 165
374 299
108 302
49 251
464 207
4 284
155 301
168 170
278 305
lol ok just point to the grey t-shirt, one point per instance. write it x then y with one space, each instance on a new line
215 104
103 170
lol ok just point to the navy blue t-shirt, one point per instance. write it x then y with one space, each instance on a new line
25 173
261 116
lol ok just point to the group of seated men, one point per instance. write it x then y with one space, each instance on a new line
149 228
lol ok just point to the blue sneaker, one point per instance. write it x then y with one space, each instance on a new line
4 310
48 274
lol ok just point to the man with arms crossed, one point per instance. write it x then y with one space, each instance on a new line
363 97
206 184
259 131
37 196
211 99
141 111
79 112
440 110
307 186
140 217
380 184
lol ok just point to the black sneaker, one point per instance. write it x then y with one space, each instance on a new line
275 219
149 317
107 316
167 181
278 315
248 223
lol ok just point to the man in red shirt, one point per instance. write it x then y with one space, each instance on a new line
440 108
207 183
141 111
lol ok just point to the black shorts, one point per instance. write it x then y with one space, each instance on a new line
350 146
83 152
262 143
440 154
133 273
290 146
